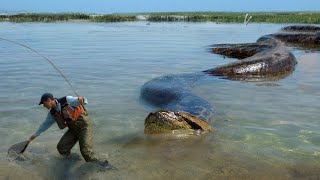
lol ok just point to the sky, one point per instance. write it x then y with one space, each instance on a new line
123 6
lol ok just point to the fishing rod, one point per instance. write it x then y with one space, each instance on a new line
48 60
16 150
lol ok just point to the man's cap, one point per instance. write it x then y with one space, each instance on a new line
44 97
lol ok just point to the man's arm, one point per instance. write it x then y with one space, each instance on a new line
43 127
73 101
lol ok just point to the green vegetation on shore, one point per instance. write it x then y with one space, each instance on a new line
53 17
43 17
219 17
237 17
113 18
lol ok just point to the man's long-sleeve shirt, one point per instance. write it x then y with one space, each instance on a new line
47 123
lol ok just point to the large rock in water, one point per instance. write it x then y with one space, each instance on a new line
301 28
240 51
305 37
167 121
270 62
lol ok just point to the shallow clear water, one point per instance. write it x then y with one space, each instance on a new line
261 131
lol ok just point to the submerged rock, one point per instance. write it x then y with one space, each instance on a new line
166 121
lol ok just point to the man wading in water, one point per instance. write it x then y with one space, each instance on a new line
69 112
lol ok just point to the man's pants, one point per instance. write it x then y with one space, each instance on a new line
80 131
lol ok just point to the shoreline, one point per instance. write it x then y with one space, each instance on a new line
218 17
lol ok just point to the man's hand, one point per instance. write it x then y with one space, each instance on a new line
32 138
